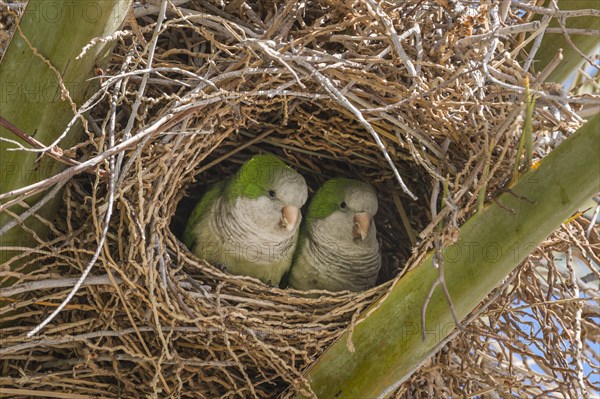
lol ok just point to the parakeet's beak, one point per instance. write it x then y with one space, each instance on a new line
289 217
362 225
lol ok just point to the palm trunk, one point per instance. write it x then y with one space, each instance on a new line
41 57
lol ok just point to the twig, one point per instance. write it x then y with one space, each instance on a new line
162 269
485 175
433 209
438 263
526 140
574 31
504 207
551 66
504 8
219 24
237 149
508 30
55 283
545 304
339 97
33 209
376 10
276 56
416 31
136 359
106 39
555 12
276 143
438 258
139 96
143 9
517 196
588 232
577 337
405 219
539 35
54 152
64 339
64 92
107 216
562 24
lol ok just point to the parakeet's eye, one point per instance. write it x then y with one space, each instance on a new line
343 205
272 193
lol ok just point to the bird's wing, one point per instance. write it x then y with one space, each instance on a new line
189 236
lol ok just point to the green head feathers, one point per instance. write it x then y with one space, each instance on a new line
257 176
340 194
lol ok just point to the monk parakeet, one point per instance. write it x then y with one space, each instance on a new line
338 248
249 223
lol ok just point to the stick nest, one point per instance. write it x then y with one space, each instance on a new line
314 83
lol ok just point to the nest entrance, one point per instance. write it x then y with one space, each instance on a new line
320 145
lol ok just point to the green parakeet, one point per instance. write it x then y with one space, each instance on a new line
338 248
249 223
